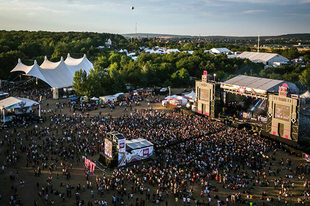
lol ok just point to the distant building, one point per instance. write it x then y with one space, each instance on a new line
220 51
108 43
208 51
265 58
172 51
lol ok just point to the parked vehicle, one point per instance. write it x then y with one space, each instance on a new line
164 91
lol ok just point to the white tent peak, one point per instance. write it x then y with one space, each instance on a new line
191 94
19 61
35 62
45 57
84 56
68 55
56 74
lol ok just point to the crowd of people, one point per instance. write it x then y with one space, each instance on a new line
197 162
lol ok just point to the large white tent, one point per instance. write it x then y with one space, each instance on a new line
56 74
265 58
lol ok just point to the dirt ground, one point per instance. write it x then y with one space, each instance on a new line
29 192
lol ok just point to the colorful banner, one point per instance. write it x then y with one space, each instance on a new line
90 165
307 157
121 152
139 154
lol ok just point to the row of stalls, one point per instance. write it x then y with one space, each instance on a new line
101 100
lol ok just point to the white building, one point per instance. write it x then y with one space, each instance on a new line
108 43
169 51
220 51
265 58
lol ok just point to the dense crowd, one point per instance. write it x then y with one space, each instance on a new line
215 158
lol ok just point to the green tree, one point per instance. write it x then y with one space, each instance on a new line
8 61
304 78
61 50
306 58
115 58
180 78
81 83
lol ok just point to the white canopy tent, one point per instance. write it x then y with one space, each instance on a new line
191 95
3 95
16 102
56 74
94 99
16 105
182 100
305 95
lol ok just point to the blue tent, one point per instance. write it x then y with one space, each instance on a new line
73 98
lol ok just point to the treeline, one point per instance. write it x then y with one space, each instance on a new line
183 45
292 53
114 71
35 45
298 74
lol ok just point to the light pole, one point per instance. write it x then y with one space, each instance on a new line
169 90
214 75
3 110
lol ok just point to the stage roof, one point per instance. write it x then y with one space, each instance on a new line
258 83
56 74
138 143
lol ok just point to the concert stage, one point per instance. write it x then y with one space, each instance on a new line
270 107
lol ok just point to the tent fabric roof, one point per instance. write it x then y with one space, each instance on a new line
305 95
56 74
192 95
138 143
260 57
13 102
3 93
220 50
269 85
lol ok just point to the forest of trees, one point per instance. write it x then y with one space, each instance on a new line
113 71
35 45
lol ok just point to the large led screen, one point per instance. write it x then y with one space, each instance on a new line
282 112
108 148
204 94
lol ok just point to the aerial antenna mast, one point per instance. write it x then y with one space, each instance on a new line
258 43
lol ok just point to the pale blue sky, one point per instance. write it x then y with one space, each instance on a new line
192 17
